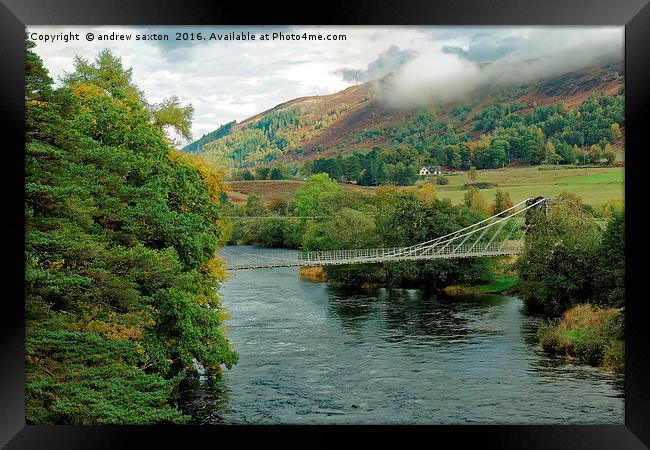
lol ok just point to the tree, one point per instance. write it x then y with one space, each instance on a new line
616 131
351 168
427 193
549 152
471 174
108 74
557 266
502 201
474 200
317 196
38 83
330 166
403 219
610 268
276 174
170 113
348 229
121 233
404 175
262 173
595 154
608 154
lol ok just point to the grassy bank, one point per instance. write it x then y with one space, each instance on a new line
501 283
588 333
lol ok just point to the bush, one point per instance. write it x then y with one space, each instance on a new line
480 185
441 180
589 333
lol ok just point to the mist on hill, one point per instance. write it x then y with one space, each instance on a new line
443 77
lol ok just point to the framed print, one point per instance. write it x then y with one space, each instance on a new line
402 220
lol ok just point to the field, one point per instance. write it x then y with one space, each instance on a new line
594 185
269 190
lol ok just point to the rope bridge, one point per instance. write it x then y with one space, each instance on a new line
499 235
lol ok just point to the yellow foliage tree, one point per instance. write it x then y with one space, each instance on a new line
475 201
427 193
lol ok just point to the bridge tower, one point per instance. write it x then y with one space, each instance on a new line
544 206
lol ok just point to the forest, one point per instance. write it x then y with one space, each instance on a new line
548 134
121 233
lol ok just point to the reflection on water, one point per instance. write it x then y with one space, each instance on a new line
314 353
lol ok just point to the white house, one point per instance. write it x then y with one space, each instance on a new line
431 170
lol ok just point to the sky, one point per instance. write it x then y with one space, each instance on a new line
229 80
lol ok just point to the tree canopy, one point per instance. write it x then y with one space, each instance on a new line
120 246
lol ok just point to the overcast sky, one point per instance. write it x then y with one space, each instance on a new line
232 80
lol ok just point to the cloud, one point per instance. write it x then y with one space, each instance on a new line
387 62
444 76
484 48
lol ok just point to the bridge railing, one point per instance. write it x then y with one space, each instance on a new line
341 257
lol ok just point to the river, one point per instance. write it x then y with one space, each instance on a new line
311 353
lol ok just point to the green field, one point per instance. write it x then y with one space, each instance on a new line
594 185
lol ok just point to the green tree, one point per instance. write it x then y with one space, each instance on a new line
595 154
170 113
556 268
121 234
608 154
317 196
610 268
107 73
38 83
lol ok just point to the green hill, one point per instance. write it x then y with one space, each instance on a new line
567 110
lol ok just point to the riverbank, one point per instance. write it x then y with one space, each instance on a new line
312 273
501 284
588 333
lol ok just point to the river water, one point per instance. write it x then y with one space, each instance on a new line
311 353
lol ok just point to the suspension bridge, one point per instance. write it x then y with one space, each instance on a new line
499 235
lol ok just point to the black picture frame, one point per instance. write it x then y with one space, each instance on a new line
633 14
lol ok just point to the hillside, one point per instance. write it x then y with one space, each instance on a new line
355 119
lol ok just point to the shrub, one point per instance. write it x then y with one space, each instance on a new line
480 185
587 332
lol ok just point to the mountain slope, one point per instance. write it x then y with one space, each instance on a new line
355 119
